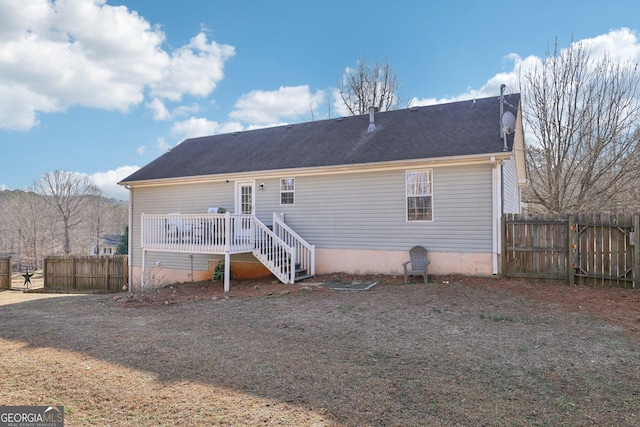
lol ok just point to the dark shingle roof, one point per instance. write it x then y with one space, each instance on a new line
111 239
436 131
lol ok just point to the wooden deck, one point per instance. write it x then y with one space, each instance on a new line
280 249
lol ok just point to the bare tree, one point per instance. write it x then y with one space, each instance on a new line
28 216
584 115
369 85
101 218
68 193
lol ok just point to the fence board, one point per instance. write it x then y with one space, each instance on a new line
5 272
95 273
597 250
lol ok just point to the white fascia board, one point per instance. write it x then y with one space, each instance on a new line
327 170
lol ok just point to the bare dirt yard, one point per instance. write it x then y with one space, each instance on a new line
457 351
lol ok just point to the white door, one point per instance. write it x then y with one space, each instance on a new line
244 205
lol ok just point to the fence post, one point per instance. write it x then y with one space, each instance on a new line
107 271
125 272
73 272
8 260
636 251
503 257
572 245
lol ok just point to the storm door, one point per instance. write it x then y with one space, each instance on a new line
244 205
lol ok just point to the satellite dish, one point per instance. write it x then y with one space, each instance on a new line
508 122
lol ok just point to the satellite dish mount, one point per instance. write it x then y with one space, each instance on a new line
507 126
507 120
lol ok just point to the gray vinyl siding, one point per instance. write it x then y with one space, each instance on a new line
185 199
510 188
368 211
342 211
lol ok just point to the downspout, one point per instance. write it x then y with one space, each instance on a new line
496 213
129 238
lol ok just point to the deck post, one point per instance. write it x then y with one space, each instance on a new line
292 267
144 268
227 250
227 270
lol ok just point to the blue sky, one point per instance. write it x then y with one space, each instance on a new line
104 87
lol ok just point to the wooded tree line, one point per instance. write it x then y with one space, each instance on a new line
63 213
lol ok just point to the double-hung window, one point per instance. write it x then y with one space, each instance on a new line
287 191
419 195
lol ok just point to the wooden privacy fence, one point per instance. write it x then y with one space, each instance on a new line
5 272
597 250
90 273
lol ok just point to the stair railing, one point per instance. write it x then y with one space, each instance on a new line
305 253
274 253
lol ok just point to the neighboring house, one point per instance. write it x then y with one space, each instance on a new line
108 245
351 194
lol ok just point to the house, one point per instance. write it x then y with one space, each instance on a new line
108 245
351 194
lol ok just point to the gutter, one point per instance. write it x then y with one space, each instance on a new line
326 170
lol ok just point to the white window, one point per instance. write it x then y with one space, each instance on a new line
287 191
419 195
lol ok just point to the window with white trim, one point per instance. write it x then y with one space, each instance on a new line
287 191
419 195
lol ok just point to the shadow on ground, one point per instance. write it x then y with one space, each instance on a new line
437 354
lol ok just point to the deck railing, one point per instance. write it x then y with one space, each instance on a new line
197 233
304 252
279 249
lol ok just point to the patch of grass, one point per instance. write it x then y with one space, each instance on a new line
565 403
497 317
344 308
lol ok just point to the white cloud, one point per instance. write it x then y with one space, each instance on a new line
142 149
198 126
3 187
620 44
108 181
194 69
54 54
160 112
261 107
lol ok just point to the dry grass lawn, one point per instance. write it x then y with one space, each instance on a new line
441 354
